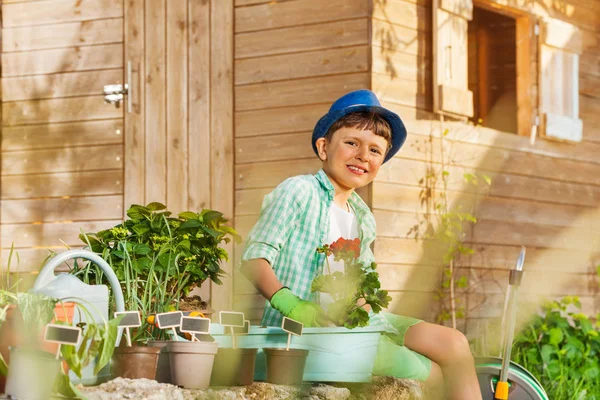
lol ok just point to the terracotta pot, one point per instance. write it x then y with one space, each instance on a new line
233 367
163 369
135 362
191 363
31 374
285 367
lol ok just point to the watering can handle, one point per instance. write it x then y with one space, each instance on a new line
47 273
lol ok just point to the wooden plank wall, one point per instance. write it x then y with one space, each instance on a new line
292 59
545 196
179 136
62 146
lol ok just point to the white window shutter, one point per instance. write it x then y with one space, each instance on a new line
450 77
560 46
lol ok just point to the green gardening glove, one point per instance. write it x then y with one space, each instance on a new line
292 306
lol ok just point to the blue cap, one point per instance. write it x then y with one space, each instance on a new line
359 101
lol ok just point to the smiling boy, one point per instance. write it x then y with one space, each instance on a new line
352 140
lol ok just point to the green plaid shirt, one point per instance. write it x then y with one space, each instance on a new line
294 221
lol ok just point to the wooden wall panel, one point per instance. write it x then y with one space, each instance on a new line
62 145
544 194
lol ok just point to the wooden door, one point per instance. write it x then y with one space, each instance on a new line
62 145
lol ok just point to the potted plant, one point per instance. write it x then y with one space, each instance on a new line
32 356
159 259
352 289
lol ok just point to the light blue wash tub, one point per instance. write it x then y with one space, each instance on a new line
335 354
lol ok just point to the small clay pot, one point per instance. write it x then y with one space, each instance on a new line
192 363
135 362
31 374
233 367
285 367
163 368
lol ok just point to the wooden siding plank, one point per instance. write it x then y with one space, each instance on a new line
155 101
399 38
271 174
64 209
428 252
399 65
273 148
403 13
418 278
80 58
177 112
503 184
43 136
410 92
57 11
221 128
278 120
58 110
302 65
83 33
301 12
297 92
86 183
302 38
199 101
28 259
540 282
58 85
393 197
62 160
135 133
50 234
248 201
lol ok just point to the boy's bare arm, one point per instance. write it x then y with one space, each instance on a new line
261 275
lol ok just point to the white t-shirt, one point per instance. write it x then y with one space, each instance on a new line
342 224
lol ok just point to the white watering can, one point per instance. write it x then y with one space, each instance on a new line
94 298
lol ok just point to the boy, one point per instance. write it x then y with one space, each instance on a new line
352 140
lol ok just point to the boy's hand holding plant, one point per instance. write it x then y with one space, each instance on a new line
352 290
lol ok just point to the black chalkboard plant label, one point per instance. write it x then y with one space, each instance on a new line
292 327
195 325
131 319
63 335
232 319
170 320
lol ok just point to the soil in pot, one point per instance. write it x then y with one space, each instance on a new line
191 363
135 362
285 367
233 367
31 374
163 368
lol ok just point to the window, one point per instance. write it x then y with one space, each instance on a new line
504 67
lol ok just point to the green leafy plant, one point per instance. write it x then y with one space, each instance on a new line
561 348
159 259
351 290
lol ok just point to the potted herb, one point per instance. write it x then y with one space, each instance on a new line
158 259
352 289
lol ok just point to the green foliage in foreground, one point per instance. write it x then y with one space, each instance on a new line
562 349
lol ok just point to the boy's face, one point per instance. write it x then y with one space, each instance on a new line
352 158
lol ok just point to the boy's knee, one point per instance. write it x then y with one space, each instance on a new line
458 347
